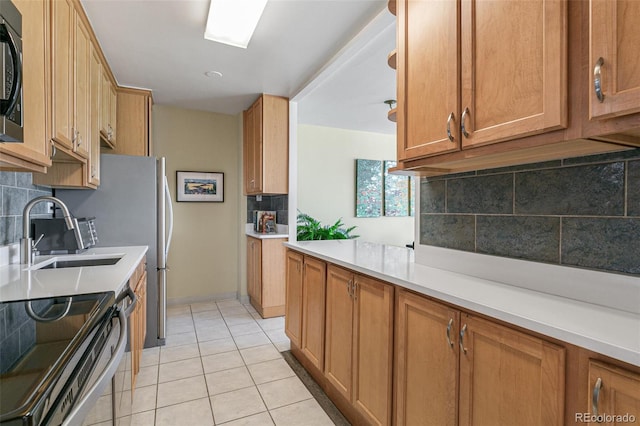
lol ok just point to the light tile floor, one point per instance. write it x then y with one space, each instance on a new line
221 365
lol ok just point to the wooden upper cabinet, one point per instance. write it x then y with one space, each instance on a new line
514 69
62 75
133 121
108 105
33 153
82 101
95 81
476 72
612 391
614 58
427 352
428 75
266 146
508 376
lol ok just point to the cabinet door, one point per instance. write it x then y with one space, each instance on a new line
507 375
426 362
62 72
614 37
95 78
254 269
113 114
257 145
428 72
107 128
132 122
339 330
372 349
35 83
313 305
613 391
249 179
293 303
81 89
514 69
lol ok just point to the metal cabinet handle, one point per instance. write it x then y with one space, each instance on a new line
462 121
595 397
462 332
449 120
53 150
79 139
597 79
449 332
349 285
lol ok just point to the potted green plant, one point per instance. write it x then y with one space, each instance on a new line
311 229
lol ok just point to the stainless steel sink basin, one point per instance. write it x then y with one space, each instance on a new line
77 263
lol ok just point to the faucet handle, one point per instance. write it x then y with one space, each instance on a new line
35 243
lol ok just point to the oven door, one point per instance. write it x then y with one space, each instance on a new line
106 408
100 364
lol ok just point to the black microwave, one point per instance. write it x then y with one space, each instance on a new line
11 128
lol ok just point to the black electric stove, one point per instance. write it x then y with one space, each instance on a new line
46 354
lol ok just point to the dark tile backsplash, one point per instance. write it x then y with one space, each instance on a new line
277 203
16 190
582 212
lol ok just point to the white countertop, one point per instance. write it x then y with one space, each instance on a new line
603 329
19 283
282 231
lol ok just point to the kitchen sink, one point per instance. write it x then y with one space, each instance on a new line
78 263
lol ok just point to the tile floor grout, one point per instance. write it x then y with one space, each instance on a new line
225 336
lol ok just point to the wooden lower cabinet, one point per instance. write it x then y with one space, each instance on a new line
414 360
138 321
313 311
266 260
508 377
426 362
613 392
293 297
453 368
359 342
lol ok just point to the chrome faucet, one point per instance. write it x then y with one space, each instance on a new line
27 248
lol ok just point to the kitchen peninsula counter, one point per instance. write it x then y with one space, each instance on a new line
19 282
607 329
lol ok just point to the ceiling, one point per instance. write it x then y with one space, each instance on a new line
302 49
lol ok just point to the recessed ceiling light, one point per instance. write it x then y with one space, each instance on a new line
213 73
233 22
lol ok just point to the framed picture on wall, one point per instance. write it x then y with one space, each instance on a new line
200 186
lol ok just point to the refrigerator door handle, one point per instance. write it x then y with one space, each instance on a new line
166 190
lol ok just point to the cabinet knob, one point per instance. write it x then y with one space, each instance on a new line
597 79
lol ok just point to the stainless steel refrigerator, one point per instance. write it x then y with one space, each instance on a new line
132 206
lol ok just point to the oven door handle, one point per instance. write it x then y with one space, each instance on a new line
134 300
82 408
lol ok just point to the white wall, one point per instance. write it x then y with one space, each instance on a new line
327 180
204 260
